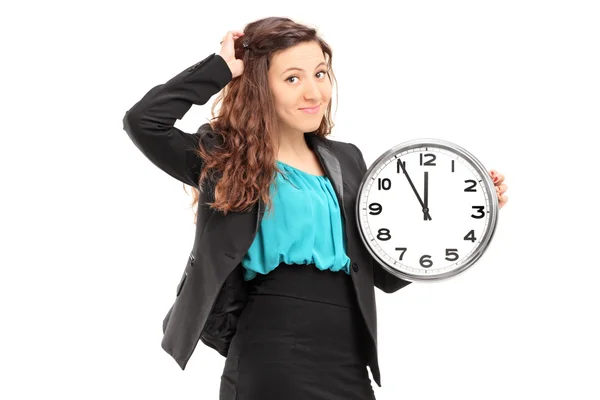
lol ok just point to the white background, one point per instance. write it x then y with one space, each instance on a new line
95 238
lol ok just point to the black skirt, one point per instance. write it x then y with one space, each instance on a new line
300 336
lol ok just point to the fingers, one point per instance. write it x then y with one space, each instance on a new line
501 187
502 201
232 34
497 177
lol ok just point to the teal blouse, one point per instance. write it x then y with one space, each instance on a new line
303 227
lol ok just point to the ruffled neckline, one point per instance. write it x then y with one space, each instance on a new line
299 170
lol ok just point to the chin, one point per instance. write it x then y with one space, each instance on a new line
311 127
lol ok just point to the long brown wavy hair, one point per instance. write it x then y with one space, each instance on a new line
245 158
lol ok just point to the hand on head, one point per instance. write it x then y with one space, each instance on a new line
227 52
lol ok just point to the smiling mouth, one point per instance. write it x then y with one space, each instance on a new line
312 110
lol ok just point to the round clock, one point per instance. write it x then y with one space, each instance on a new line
426 210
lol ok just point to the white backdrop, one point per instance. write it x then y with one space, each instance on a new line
95 238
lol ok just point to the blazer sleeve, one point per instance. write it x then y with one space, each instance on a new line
382 279
150 122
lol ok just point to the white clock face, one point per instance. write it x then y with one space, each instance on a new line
432 241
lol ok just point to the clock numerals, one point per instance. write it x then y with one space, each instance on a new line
425 261
451 255
384 184
470 236
403 250
451 252
430 162
384 234
375 208
481 212
398 167
471 188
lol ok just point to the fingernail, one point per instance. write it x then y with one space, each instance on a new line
495 179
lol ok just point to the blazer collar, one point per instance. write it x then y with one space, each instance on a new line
330 164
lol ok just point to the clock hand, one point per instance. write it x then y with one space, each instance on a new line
425 196
426 212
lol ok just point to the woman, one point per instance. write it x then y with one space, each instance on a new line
278 280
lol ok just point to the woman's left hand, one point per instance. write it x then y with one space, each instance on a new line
501 187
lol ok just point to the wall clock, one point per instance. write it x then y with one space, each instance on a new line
427 210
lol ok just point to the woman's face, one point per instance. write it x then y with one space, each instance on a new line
298 79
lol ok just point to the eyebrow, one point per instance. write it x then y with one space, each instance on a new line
300 69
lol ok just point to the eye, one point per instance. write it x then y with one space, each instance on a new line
294 76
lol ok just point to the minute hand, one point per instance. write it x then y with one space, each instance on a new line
426 195
425 210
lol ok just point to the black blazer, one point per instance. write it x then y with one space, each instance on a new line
211 293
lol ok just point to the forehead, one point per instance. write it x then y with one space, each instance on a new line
303 55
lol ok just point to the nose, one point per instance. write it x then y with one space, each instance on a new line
313 91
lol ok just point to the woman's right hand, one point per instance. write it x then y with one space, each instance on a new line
227 52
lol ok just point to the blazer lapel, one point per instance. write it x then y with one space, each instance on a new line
330 164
